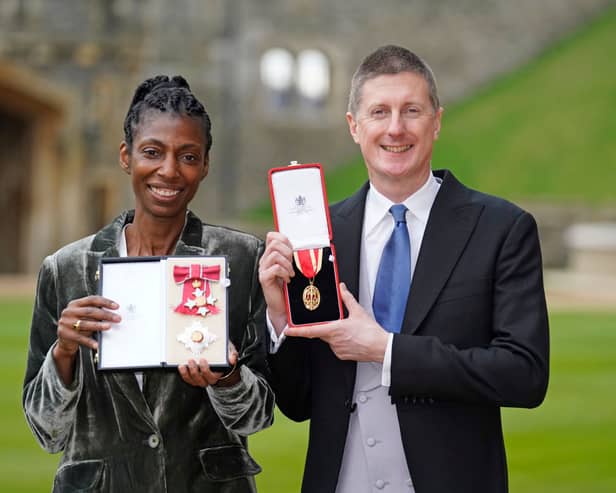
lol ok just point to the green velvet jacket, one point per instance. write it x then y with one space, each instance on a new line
170 437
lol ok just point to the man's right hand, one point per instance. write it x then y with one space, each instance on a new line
275 269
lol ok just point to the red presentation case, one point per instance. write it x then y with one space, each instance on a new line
301 213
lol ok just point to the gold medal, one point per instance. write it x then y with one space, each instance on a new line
309 263
196 336
311 297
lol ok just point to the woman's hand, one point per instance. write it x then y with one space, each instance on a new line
78 321
200 375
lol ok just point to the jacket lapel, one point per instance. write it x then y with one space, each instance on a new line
451 222
347 221
105 244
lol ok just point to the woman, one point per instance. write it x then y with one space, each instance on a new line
160 431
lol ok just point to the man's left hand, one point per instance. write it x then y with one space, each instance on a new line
358 337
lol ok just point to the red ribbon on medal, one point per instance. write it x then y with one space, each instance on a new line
309 263
196 291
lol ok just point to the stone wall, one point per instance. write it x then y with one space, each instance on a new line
99 50
554 222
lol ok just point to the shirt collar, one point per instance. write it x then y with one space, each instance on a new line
418 203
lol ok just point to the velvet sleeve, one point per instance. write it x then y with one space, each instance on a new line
248 406
48 404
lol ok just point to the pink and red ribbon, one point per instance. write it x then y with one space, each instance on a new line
186 275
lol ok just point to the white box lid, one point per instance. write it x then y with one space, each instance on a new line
300 206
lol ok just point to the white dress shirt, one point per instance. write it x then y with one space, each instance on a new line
378 226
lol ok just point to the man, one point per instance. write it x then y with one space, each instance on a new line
454 278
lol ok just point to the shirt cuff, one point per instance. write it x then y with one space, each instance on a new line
386 374
275 340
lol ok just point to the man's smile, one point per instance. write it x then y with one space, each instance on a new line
396 149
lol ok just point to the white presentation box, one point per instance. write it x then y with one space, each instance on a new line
173 309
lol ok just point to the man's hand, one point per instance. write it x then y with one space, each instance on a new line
275 269
358 337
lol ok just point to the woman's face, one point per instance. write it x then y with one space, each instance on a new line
167 162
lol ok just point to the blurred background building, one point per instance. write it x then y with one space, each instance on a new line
274 75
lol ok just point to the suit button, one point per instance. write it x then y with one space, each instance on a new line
380 484
371 442
362 398
153 441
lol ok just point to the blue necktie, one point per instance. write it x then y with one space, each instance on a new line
393 279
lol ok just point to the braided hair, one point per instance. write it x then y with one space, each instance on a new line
165 94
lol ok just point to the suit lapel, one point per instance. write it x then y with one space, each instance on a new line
347 221
451 222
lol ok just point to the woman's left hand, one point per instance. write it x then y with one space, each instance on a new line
199 373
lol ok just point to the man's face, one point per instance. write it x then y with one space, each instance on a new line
395 127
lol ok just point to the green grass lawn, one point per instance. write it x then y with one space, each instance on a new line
544 132
567 445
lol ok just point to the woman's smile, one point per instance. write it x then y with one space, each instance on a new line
164 192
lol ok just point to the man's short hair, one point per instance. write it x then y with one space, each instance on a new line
390 59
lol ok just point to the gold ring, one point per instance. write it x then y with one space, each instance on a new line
76 325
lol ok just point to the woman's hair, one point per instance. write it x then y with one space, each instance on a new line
165 94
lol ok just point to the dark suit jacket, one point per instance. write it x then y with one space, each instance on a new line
475 338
